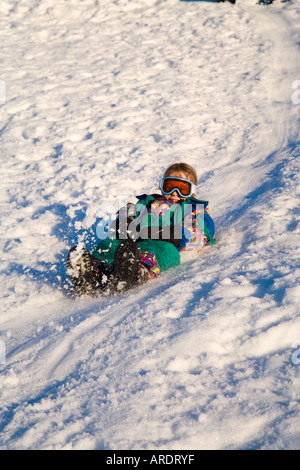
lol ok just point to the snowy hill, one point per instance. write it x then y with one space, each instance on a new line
100 97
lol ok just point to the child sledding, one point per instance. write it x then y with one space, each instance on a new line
146 238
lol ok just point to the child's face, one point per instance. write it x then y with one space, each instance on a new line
174 197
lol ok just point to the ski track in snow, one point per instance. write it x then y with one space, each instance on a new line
100 99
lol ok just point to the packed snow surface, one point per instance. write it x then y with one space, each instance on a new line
98 98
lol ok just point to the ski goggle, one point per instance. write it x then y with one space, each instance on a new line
169 184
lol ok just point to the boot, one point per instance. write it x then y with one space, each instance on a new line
127 272
82 271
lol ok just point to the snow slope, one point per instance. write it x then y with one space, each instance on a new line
100 98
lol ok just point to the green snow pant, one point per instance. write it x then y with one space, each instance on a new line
166 253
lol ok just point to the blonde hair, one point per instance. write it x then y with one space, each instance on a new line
185 168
